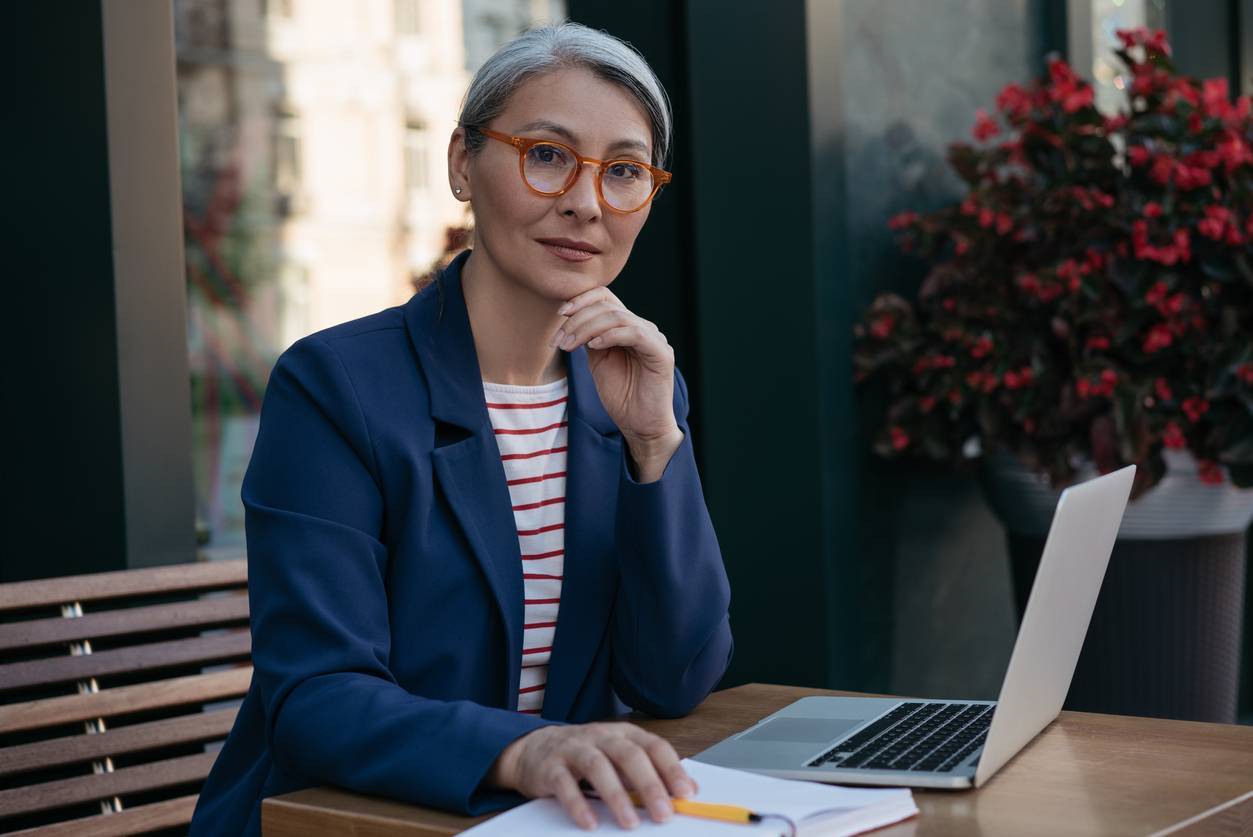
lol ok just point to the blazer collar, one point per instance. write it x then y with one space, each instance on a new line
439 329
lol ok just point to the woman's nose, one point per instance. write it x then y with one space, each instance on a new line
581 199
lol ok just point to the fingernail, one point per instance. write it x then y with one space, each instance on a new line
687 788
632 821
556 339
588 822
565 309
660 810
567 342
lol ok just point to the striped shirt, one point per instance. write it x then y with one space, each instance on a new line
530 427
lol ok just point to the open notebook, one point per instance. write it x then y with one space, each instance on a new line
814 808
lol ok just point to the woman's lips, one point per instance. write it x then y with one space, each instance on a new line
570 254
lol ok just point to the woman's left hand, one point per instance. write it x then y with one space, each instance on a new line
633 366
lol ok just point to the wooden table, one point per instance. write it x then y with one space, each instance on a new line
1085 775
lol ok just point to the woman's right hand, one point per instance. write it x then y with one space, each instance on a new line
613 758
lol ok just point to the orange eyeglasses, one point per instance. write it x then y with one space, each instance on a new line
550 168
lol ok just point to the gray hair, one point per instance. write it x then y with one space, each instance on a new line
548 48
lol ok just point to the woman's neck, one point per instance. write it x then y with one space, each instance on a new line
511 326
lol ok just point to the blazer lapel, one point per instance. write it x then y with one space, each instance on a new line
590 578
468 467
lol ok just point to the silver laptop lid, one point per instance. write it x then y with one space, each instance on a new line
1046 651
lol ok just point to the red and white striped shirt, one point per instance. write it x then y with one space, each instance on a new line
530 425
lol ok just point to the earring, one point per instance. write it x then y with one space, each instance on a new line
457 190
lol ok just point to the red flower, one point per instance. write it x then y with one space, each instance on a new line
1098 342
1162 388
1156 296
1214 224
1162 168
1020 378
1190 176
960 244
1141 36
1173 437
1004 223
1069 271
1194 407
926 403
1108 379
1214 97
1183 245
1071 91
1245 372
1159 337
900 439
882 327
985 381
1080 97
985 126
1083 388
1152 209
1014 101
901 220
1234 151
1209 472
1138 155
982 347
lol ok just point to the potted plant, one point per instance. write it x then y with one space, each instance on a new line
1089 304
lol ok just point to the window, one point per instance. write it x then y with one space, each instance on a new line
408 17
417 153
277 8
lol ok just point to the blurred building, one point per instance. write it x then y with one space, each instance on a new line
313 137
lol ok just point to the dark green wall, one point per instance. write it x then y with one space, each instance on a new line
70 516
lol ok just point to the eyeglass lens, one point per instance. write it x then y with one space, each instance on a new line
624 184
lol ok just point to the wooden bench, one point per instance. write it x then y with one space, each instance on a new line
107 691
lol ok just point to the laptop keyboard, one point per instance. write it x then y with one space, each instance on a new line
915 736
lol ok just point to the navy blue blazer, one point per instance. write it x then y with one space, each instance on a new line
385 581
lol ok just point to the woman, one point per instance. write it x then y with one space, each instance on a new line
440 614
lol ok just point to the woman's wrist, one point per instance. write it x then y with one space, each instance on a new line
651 455
503 772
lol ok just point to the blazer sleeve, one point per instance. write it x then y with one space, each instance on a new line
319 610
671 630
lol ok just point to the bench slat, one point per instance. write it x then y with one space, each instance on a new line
159 694
185 729
135 658
169 813
201 575
143 777
197 613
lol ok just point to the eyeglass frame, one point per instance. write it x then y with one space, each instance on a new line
524 144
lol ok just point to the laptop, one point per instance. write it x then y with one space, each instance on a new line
956 743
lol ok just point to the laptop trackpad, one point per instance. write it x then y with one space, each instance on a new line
801 729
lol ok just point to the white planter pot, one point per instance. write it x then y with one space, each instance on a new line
1179 506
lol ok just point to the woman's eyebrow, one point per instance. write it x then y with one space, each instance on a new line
570 137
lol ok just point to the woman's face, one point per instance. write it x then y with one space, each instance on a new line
556 247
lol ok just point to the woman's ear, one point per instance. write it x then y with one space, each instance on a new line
459 165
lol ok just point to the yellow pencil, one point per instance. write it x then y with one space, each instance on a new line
708 810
